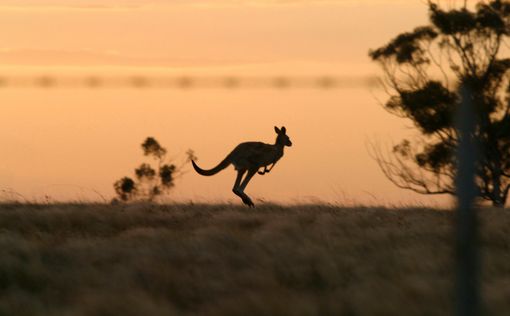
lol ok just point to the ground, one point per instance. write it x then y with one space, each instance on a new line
145 259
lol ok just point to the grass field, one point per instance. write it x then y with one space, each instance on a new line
72 259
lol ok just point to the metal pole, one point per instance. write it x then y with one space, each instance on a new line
467 257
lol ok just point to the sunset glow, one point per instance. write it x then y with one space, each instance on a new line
73 143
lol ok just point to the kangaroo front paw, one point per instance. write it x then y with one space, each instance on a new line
263 172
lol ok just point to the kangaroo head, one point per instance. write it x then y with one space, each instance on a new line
282 138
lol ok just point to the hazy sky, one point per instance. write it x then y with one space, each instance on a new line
66 143
197 33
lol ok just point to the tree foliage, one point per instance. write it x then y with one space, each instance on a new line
151 182
423 70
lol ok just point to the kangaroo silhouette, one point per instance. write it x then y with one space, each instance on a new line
248 158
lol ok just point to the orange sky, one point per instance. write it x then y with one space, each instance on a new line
67 143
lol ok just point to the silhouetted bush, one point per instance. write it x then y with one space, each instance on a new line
125 188
151 182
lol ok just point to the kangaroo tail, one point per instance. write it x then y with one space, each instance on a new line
222 165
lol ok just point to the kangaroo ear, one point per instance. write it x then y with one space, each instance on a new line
277 130
284 130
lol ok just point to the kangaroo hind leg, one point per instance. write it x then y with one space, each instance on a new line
247 200
237 188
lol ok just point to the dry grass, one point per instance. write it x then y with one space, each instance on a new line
67 259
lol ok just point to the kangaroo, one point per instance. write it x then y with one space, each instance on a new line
248 158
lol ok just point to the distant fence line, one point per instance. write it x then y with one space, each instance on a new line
188 82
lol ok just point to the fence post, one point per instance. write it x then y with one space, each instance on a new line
466 252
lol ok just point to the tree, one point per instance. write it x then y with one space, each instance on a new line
151 183
423 71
